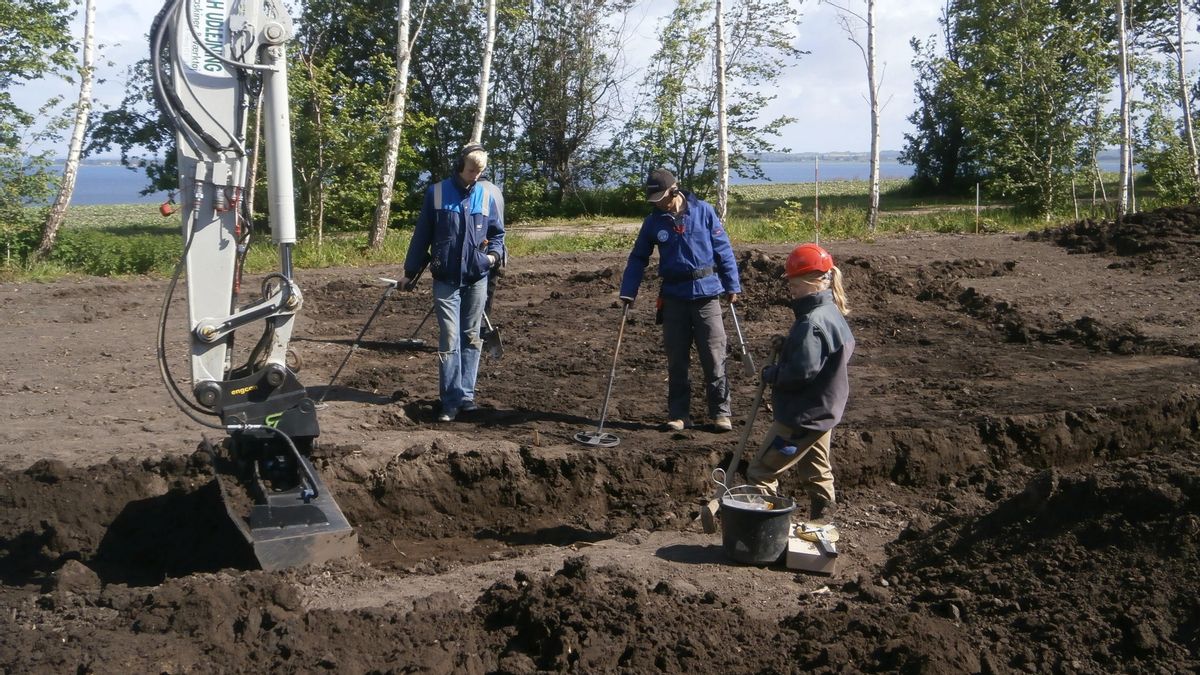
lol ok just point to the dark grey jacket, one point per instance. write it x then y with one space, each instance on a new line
809 384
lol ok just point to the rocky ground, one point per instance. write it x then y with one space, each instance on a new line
1019 471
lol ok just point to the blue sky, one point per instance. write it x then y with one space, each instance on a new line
825 90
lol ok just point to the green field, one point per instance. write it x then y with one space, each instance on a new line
114 240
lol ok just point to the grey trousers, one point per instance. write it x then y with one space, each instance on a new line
700 322
811 461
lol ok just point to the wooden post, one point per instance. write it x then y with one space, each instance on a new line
976 208
817 198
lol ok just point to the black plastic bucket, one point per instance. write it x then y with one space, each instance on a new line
755 527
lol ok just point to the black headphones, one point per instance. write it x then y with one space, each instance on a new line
461 164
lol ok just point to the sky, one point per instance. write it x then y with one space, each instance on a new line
825 90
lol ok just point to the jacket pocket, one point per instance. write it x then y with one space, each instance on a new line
478 265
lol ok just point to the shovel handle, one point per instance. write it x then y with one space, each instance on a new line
747 359
753 413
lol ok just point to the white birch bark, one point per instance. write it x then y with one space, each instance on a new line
485 73
722 123
1189 137
868 53
387 176
83 108
873 88
1126 140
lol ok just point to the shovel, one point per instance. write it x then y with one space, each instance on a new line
744 355
708 513
492 346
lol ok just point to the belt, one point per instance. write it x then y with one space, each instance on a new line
695 274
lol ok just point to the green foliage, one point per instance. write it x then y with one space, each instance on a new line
675 123
1160 146
35 43
134 239
339 132
937 150
144 136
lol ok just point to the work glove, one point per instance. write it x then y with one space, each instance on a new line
493 260
778 342
733 298
626 300
769 373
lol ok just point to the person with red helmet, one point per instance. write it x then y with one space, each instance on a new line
809 383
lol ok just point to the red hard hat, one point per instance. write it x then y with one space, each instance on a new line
807 258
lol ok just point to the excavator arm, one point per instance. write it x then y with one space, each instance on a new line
210 60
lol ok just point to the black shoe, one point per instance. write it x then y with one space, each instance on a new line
820 510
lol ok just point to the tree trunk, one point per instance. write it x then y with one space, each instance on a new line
1126 140
1189 137
485 72
83 109
873 87
387 177
722 123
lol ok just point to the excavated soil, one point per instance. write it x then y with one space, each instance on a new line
1019 472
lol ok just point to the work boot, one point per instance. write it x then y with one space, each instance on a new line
675 425
723 423
820 510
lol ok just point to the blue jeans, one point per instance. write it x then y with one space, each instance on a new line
459 313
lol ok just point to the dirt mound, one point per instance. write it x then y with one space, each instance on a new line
1075 572
1016 470
1166 235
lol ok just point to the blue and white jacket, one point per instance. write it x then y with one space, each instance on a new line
456 230
695 257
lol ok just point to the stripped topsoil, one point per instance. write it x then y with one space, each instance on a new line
1019 472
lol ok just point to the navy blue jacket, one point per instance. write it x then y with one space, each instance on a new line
810 383
457 237
688 245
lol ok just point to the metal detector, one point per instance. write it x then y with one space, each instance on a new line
391 288
600 437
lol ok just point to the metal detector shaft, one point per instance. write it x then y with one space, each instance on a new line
378 306
612 373
747 359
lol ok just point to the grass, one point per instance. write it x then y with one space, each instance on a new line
109 240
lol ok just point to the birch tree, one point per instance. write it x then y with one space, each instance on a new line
850 20
1126 142
722 123
485 71
1189 136
387 175
83 109
35 43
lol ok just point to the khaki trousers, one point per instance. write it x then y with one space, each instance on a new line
811 461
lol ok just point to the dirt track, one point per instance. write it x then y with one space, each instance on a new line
1019 469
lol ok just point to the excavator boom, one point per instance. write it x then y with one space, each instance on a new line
210 60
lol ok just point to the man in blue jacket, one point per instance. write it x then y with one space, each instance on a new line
460 233
696 264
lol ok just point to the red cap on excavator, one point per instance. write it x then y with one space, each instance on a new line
807 258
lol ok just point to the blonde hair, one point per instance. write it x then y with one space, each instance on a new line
832 280
477 159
